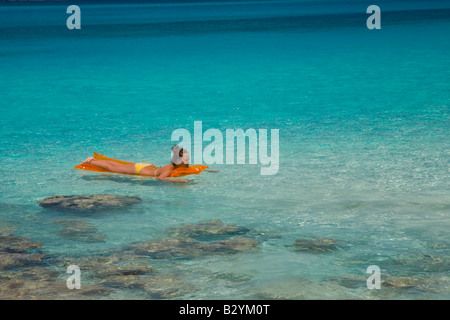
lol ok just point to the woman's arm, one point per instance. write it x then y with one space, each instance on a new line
165 173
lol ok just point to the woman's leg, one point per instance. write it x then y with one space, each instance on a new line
113 166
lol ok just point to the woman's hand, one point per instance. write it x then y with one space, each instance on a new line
88 160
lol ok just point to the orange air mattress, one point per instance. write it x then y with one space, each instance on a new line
179 172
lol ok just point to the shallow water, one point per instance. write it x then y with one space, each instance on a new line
364 150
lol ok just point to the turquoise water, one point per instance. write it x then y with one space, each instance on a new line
363 117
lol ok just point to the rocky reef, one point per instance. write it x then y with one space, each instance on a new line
195 240
315 245
116 271
28 273
164 268
15 252
188 249
402 282
15 244
79 230
43 284
207 228
25 274
88 202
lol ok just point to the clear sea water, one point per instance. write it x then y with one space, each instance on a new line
364 124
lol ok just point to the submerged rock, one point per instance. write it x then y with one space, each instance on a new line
12 260
402 282
297 288
14 252
122 277
166 287
350 281
208 228
164 248
88 202
120 271
114 271
233 245
231 277
188 248
38 273
315 245
48 290
79 230
15 244
424 262
86 262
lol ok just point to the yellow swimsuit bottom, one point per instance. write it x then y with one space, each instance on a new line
140 166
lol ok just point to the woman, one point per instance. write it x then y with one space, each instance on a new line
180 158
